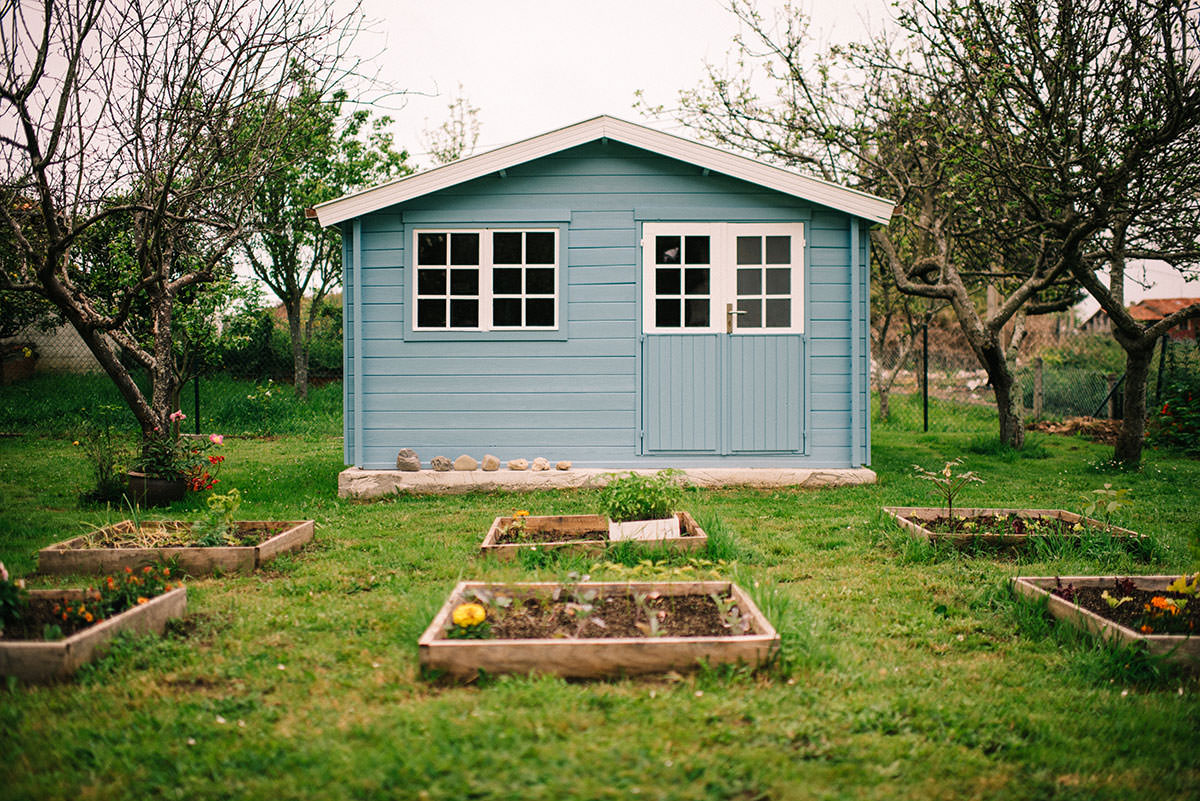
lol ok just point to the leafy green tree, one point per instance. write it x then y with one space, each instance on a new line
328 155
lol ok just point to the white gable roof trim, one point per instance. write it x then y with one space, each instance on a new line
824 193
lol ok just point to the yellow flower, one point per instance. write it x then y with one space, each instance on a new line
521 513
76 442
469 615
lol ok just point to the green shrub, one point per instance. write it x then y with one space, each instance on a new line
638 497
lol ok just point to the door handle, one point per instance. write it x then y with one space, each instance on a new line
729 313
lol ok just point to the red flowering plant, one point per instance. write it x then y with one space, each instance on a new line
168 455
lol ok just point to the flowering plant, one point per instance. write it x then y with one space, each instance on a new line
12 598
116 594
167 455
468 621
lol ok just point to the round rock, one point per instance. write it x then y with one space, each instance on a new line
518 464
408 461
465 462
490 463
441 464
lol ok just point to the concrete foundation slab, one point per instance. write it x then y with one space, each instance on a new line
366 484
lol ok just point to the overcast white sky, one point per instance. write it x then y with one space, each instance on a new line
531 66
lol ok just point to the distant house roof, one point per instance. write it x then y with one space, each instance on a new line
1152 309
824 193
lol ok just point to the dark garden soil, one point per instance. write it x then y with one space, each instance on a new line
1008 526
609 617
35 617
1141 611
531 536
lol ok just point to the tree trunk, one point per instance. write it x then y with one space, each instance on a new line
162 373
1133 428
1008 405
299 350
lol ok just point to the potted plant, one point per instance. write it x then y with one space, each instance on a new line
46 635
17 361
169 465
641 507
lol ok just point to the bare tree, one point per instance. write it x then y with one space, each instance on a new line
157 118
457 136
867 115
1088 113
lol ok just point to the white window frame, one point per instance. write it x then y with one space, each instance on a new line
723 276
486 294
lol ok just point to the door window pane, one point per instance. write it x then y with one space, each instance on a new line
751 316
697 250
749 282
779 313
666 313
695 281
779 250
666 282
749 250
666 250
696 313
779 281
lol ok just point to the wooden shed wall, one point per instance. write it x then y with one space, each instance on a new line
574 394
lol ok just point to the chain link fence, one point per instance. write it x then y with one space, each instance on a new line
1079 376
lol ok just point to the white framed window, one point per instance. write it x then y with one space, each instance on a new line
708 278
501 279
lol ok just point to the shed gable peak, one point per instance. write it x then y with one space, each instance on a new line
815 190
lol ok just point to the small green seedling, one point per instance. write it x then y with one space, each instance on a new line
948 483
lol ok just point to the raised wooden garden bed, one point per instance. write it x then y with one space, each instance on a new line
1176 647
588 650
917 521
580 534
73 556
43 661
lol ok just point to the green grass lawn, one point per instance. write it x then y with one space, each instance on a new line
909 673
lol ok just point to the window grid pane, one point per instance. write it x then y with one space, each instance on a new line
682 295
764 292
524 291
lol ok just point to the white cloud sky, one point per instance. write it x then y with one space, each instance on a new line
531 66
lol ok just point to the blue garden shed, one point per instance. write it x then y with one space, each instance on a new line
610 295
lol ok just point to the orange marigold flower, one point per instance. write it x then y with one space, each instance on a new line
166 571
142 599
128 569
88 617
147 569
1159 602
1146 629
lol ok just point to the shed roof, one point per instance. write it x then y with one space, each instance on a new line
825 193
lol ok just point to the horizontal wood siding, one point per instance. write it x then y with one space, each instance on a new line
574 397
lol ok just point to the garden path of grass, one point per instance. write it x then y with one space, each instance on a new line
908 674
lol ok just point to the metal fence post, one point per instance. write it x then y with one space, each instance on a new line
925 370
1037 388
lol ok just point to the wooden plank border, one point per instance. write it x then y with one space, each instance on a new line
1175 647
67 558
41 662
910 518
595 657
692 538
